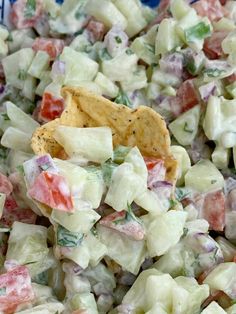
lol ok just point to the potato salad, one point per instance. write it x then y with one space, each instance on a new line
118 157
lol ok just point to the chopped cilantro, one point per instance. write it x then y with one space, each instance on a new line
185 232
104 54
94 232
129 51
181 193
9 38
123 99
187 129
173 203
5 117
213 181
118 39
20 169
67 238
150 48
79 14
3 291
213 72
30 263
198 32
130 215
107 170
30 9
22 75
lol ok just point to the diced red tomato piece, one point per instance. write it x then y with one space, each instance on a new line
210 8
10 203
156 170
188 95
95 30
15 288
12 212
51 107
223 2
212 46
151 162
5 185
119 222
213 210
24 15
52 46
52 189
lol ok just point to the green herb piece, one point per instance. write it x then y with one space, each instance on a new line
3 152
30 9
31 108
3 291
67 238
22 75
173 203
213 72
123 99
9 38
108 168
79 32
94 232
129 51
41 278
130 215
185 232
120 153
191 68
198 32
30 263
79 14
181 193
20 169
150 48
213 181
118 39
5 117
186 128
103 54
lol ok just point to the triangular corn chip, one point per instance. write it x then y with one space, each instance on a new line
141 127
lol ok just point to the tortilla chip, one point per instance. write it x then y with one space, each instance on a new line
141 127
